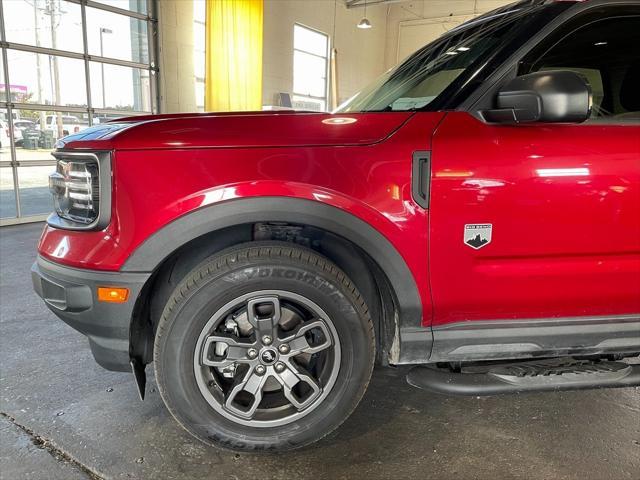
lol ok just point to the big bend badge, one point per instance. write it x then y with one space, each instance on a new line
477 235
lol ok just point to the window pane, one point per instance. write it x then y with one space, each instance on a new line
44 23
139 6
3 87
200 96
35 135
605 53
117 36
309 74
5 150
36 131
3 98
123 88
33 185
199 10
46 79
309 41
7 193
198 49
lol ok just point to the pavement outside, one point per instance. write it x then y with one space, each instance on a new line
63 417
33 182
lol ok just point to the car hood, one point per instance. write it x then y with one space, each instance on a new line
247 129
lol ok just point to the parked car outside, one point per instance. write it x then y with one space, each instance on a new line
473 213
5 141
20 126
69 125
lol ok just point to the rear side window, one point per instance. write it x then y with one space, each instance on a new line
606 53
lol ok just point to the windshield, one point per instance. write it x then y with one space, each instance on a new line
420 79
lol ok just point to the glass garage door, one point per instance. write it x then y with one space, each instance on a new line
65 65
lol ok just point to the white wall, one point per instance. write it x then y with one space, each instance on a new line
176 50
398 29
360 52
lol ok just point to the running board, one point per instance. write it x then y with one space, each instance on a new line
528 376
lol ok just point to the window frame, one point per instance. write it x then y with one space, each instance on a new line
325 98
7 104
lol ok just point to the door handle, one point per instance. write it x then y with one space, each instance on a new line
421 178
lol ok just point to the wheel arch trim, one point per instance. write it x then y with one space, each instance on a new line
159 246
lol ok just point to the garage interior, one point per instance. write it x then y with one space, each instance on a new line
66 65
146 57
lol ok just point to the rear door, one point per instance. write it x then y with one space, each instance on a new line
539 221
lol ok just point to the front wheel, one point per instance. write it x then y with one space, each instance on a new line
264 346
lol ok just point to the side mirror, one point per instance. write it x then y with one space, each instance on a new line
550 96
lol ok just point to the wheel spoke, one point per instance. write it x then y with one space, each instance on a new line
252 384
236 351
264 324
267 358
298 341
294 375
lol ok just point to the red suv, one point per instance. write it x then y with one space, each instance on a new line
475 213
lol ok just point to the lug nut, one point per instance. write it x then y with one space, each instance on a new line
260 370
267 340
279 367
284 348
252 353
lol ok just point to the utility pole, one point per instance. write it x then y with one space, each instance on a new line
52 10
103 31
42 114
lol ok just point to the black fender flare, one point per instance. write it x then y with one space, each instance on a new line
155 249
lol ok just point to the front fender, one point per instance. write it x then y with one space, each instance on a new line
216 216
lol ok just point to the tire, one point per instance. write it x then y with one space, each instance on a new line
254 287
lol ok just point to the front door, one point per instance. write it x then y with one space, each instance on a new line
539 221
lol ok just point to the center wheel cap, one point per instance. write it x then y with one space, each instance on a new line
268 356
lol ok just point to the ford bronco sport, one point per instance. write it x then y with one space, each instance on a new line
474 213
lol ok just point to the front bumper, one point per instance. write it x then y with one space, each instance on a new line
70 293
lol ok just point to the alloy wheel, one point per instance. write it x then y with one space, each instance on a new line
267 358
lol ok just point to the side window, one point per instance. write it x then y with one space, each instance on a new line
606 53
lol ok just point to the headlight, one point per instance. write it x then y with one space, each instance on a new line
76 188
76 191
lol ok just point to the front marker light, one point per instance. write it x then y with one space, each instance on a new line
113 294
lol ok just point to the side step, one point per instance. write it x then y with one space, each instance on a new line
527 376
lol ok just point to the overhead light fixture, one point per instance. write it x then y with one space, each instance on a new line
364 23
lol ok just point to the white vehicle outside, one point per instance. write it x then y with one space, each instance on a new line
19 127
70 124
4 134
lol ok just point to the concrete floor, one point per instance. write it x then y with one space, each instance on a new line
62 416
